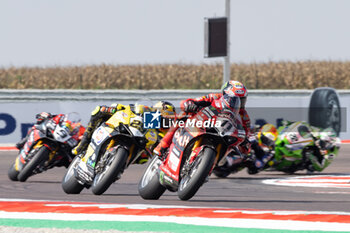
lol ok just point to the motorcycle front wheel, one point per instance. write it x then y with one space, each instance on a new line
70 185
113 166
196 176
149 186
40 157
13 173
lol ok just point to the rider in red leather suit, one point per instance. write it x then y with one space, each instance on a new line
231 88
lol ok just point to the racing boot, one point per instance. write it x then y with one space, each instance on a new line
84 142
160 149
165 142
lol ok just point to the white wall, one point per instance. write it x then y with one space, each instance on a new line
268 104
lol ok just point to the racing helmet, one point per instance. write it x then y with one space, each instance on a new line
231 102
267 135
40 117
167 114
140 109
236 88
304 131
167 111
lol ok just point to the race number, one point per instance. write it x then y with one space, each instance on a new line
226 127
137 123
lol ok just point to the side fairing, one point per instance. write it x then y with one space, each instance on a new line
171 167
290 143
99 136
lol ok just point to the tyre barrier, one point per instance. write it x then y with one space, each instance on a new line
324 109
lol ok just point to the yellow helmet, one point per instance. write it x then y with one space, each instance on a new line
267 135
166 109
168 113
140 108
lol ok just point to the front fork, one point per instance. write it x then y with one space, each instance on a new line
198 148
131 149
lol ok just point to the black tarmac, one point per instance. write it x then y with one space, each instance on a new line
241 191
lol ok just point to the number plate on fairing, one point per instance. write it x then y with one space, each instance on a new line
99 135
61 134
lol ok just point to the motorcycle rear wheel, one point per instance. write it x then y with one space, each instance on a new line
194 179
149 186
114 166
41 156
70 185
13 173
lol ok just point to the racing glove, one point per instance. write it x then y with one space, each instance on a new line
190 106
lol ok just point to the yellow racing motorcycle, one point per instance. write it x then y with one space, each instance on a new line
114 145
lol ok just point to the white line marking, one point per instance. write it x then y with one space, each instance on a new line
218 222
107 205
342 181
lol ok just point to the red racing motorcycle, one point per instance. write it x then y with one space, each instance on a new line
48 144
198 145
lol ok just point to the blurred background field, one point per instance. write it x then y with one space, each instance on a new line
272 75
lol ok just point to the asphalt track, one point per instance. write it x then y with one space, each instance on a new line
240 190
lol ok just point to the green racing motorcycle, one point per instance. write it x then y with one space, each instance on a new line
300 146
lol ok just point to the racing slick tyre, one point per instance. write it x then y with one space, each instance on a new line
13 173
221 172
70 185
324 109
114 165
149 186
197 174
40 157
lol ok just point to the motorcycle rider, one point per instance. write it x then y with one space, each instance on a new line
263 146
229 90
328 142
103 113
267 136
40 117
53 120
325 140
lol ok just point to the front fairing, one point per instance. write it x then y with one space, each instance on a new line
36 139
290 145
62 134
123 128
101 136
171 165
33 138
185 138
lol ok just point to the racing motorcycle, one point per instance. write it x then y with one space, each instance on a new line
114 145
234 162
197 147
48 144
300 146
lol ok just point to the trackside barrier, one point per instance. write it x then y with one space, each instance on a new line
19 107
9 95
